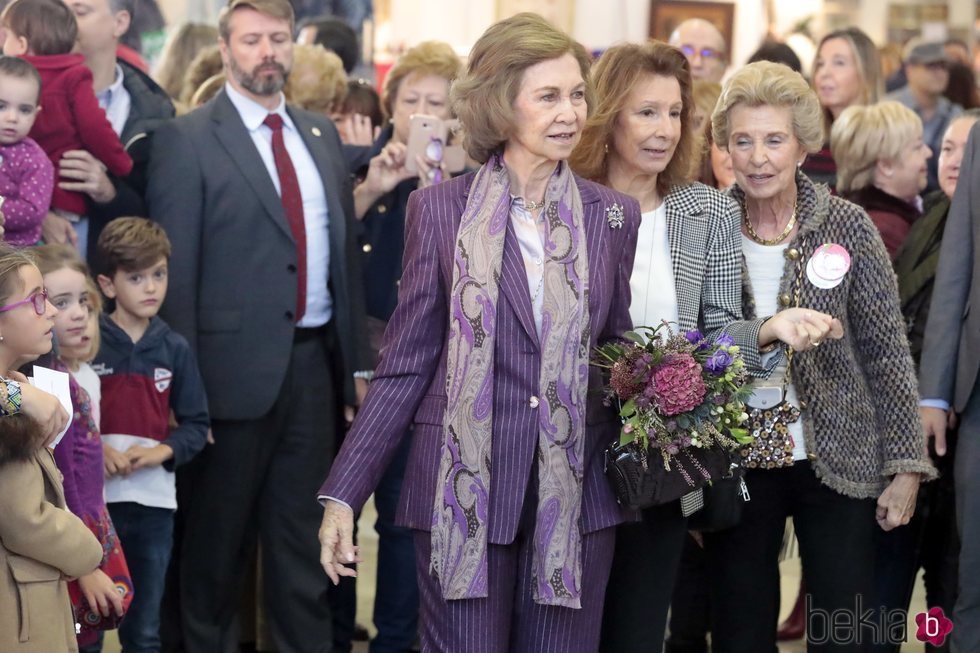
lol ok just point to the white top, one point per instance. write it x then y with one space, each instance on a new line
319 305
652 281
530 234
766 265
90 382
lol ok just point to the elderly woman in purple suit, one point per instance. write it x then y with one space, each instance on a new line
511 276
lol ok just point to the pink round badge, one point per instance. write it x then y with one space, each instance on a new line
828 265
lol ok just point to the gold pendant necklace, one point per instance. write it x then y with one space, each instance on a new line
770 241
532 206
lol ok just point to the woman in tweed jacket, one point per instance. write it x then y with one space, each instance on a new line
687 271
859 438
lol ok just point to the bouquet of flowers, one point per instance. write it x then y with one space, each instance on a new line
682 403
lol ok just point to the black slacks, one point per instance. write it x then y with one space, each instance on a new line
836 539
258 482
642 580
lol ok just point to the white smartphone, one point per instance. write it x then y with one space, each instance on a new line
765 396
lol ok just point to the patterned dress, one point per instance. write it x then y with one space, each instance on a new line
79 457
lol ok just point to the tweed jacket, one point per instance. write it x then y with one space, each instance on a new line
704 232
858 395
409 384
41 544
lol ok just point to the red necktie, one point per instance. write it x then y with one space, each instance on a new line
292 202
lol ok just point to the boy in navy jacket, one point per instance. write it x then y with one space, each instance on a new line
147 371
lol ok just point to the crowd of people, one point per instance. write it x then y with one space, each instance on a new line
269 307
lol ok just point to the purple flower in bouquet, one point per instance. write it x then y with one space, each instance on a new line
724 340
718 362
679 385
696 338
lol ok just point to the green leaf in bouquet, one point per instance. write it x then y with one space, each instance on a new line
741 435
628 409
635 337
684 422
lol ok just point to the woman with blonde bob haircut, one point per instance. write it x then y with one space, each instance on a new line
846 72
837 427
512 275
881 166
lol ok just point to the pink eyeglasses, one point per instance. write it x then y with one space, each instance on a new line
38 298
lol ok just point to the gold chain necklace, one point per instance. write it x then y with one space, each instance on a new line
771 241
532 206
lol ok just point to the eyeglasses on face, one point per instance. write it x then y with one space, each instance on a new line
38 298
706 53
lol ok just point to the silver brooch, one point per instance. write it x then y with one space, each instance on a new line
614 216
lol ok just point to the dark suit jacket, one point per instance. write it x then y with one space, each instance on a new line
232 287
410 382
149 108
951 353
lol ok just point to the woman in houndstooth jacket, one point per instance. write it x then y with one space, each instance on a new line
641 140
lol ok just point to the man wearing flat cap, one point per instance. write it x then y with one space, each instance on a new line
927 70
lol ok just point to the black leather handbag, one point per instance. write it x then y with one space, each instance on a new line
640 480
724 500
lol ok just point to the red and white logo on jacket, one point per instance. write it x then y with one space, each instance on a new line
162 378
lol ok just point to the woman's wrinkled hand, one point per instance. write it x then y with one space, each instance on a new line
338 555
896 505
800 328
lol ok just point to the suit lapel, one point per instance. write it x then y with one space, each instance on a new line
595 232
233 135
513 283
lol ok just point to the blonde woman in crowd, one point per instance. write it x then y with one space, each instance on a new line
846 72
317 81
845 449
881 166
715 169
179 51
204 66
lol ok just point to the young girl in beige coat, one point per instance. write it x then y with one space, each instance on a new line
41 543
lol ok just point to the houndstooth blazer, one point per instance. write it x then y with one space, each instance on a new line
704 231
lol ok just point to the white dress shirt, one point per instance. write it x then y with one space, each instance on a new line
319 304
652 280
116 102
530 234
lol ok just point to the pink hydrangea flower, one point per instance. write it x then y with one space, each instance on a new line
679 385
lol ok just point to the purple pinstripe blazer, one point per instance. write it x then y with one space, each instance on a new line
409 385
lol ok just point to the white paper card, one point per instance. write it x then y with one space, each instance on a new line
55 383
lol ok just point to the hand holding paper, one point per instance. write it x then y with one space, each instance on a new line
54 383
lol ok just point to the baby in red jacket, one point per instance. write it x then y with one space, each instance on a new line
43 32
